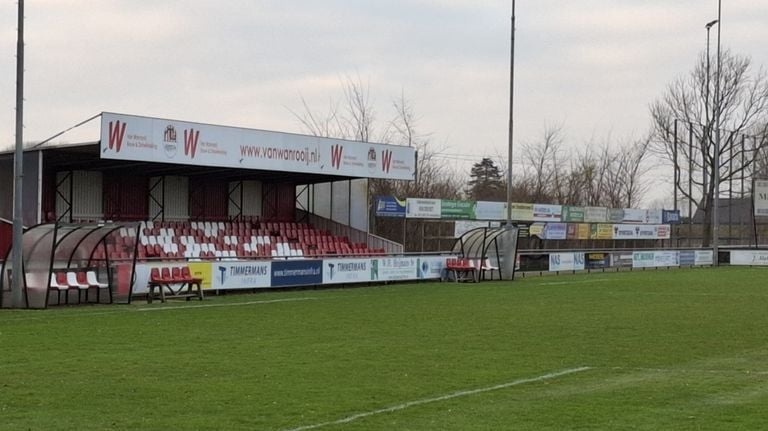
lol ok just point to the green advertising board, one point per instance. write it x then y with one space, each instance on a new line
457 210
573 214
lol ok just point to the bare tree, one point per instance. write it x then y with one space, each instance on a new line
741 110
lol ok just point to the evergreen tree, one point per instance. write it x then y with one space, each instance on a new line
486 183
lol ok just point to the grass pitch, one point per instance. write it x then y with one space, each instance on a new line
648 350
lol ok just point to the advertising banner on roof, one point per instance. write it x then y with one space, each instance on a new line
135 138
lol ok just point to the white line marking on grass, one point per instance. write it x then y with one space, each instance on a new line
458 394
690 370
231 304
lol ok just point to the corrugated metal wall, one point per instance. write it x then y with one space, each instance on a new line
81 192
87 195
252 198
279 202
208 199
359 204
63 196
126 198
173 195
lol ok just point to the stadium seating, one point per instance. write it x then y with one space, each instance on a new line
202 240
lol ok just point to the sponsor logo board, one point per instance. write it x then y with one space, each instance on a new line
240 275
346 271
297 272
130 137
566 261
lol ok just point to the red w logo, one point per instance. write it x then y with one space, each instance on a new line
190 142
386 160
116 134
336 151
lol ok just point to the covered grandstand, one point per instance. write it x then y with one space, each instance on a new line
217 198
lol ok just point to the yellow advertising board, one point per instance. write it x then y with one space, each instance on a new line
201 270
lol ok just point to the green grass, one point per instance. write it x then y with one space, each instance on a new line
673 350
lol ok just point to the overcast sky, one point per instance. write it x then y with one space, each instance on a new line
591 66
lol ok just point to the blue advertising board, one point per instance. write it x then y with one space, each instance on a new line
670 217
296 272
389 206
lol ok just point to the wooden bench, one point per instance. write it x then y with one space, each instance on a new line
164 279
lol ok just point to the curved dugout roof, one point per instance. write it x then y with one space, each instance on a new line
48 247
476 243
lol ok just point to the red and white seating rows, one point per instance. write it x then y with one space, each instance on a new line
233 240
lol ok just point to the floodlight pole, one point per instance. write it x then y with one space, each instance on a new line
511 122
718 111
17 288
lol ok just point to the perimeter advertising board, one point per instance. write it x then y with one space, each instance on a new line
394 268
749 257
430 267
346 271
655 259
566 261
130 137
297 272
240 275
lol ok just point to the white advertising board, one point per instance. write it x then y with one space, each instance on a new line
749 257
703 257
595 214
241 275
430 267
654 216
130 137
761 197
394 268
346 270
634 215
543 212
566 261
485 210
641 231
655 259
422 208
